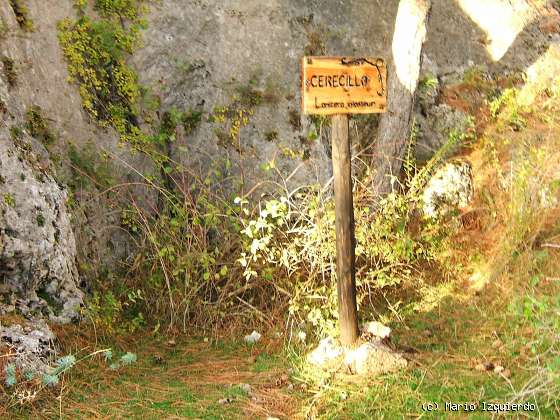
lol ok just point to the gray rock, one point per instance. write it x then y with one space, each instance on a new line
436 123
327 352
373 359
370 358
376 329
451 187
32 344
37 247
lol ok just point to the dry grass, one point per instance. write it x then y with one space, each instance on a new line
181 380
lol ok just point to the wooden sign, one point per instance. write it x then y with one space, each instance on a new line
339 86
343 85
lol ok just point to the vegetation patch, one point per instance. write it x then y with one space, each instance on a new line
89 168
96 51
10 73
271 135
16 133
9 200
22 15
38 127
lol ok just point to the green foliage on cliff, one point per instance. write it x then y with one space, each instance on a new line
22 15
38 126
96 52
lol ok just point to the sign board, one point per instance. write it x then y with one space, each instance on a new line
343 85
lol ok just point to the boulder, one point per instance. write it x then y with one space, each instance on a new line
435 126
37 247
368 358
450 188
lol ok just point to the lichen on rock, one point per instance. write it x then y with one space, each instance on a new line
32 345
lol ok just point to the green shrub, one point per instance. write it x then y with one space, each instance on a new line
22 15
38 127
9 71
89 167
96 51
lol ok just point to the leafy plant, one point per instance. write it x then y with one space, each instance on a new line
95 50
22 15
37 125
9 71
9 200
10 371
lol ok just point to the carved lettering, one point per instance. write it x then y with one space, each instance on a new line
342 80
343 85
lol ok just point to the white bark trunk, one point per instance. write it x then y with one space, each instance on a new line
404 70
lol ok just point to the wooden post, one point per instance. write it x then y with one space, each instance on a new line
344 222
339 86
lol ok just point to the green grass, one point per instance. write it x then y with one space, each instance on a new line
443 369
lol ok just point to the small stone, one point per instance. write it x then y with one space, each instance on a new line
223 401
9 308
498 369
428 333
171 343
246 388
252 338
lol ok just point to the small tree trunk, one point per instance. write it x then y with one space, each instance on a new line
395 125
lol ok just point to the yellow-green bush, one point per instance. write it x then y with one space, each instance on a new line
22 15
96 52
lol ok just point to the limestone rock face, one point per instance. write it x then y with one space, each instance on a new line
37 247
439 122
450 188
206 55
